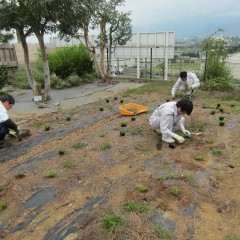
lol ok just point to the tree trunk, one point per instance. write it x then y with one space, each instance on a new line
91 49
32 83
46 94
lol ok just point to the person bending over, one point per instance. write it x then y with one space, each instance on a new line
6 103
169 115
187 82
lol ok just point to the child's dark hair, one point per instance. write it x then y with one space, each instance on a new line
183 74
8 98
185 105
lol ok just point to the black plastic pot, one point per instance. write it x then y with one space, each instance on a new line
107 100
123 124
47 128
115 98
122 133
212 112
221 118
68 118
221 109
133 118
218 105
221 123
172 145
121 101
101 109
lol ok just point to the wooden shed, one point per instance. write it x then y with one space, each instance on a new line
8 58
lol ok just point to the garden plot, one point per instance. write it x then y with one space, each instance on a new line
83 180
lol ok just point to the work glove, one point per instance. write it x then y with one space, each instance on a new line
13 133
188 87
186 133
179 139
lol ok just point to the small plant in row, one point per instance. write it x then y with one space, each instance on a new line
2 206
61 151
69 163
175 191
143 188
199 158
105 145
46 127
51 174
135 206
80 145
122 133
111 221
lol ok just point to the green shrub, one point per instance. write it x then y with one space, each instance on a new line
67 61
135 206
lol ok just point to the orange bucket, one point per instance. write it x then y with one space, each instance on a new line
131 109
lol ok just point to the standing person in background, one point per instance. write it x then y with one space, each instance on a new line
168 115
6 103
187 82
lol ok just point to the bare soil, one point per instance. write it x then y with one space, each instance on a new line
108 169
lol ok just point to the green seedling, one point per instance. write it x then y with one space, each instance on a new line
123 124
2 206
221 123
68 118
1 187
216 151
47 127
209 141
212 112
51 174
199 158
79 145
61 151
105 145
69 164
122 133
135 206
20 175
175 191
143 188
111 221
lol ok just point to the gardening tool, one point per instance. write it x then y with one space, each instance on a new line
198 133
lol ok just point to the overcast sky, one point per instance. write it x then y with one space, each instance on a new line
187 18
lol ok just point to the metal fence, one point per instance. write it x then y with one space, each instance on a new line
190 60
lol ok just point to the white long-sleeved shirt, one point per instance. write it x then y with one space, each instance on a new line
192 80
3 113
165 117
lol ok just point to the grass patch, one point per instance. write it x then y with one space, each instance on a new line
61 151
169 176
216 151
140 147
135 131
69 164
1 187
187 177
105 145
236 110
2 206
111 221
199 158
161 233
19 175
51 174
196 127
143 188
175 191
79 145
135 206
233 238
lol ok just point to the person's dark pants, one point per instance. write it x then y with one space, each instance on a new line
3 131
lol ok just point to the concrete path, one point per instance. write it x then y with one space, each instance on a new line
67 98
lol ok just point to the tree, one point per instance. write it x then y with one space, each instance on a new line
83 15
12 18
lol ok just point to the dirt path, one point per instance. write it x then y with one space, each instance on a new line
101 172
